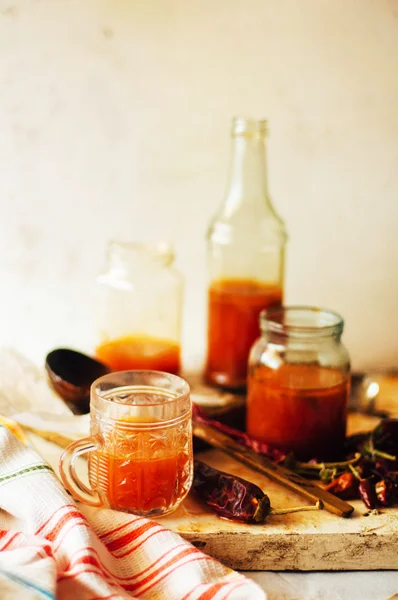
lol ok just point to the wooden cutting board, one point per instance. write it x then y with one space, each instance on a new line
308 541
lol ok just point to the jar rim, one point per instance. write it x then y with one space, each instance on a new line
174 388
301 320
158 251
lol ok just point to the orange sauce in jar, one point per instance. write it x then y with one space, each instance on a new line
140 352
143 471
234 306
300 408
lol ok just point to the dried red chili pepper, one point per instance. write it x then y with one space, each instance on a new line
233 497
385 492
345 486
367 492
366 488
239 436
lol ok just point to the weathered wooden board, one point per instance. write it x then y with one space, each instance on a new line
308 541
305 541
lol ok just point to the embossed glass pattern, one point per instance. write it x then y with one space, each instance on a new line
140 445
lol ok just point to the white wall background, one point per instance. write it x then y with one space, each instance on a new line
114 122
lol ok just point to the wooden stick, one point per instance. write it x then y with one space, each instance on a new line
50 436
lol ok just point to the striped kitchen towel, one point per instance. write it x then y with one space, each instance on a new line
52 549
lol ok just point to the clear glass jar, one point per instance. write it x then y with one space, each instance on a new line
246 242
299 382
140 308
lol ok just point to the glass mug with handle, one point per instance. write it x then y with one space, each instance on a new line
140 444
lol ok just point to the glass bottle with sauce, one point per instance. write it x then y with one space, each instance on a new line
246 242
298 382
140 308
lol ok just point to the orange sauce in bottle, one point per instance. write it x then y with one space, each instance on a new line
234 306
300 408
140 352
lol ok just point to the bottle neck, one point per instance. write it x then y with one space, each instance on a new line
248 176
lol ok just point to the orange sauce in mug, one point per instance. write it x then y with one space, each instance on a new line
142 471
300 408
146 485
140 352
234 306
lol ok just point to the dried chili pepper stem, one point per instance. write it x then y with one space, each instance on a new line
355 472
328 465
382 454
265 509
286 511
376 452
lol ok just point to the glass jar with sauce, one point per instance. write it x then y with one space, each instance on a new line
246 242
298 382
140 308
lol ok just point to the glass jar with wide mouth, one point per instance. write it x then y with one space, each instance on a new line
140 444
299 382
139 314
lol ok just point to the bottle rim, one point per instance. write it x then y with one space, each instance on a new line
301 321
249 126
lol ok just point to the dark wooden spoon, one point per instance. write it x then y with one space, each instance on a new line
71 374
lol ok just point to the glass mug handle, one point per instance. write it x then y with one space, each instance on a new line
70 479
